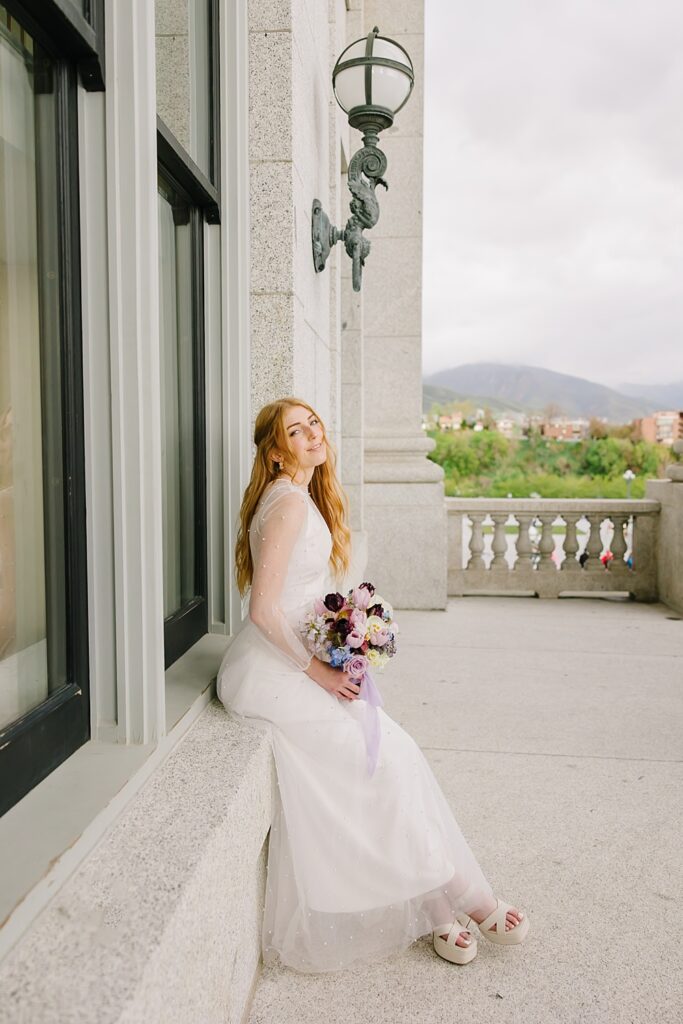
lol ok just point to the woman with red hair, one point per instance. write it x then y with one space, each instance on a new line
358 866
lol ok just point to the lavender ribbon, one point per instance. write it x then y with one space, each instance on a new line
372 697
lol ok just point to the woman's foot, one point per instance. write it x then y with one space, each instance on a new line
464 938
513 916
460 947
504 924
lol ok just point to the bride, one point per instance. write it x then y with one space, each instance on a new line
359 866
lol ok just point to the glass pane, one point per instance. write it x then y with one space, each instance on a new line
184 73
177 397
32 569
83 7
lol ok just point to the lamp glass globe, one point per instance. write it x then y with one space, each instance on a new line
389 87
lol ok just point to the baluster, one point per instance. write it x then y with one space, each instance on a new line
456 546
571 543
477 542
630 537
618 544
594 547
499 543
547 543
523 541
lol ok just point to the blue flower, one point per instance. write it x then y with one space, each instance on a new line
340 655
336 657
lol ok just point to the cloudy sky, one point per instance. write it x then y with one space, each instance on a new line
554 186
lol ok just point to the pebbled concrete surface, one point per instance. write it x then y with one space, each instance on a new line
556 733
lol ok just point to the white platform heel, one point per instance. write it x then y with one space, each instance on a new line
448 948
502 936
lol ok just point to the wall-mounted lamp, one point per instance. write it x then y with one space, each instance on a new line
372 80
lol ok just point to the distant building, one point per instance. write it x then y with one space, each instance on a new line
661 427
508 427
563 429
531 423
442 421
450 422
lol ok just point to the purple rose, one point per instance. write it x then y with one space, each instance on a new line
356 666
334 602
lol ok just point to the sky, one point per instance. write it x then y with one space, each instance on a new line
553 186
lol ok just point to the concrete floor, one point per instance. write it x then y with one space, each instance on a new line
555 731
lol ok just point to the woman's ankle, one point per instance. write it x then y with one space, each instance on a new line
482 911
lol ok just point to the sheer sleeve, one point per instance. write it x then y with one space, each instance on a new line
275 530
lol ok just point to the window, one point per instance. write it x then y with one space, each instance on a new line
182 415
185 87
71 29
187 147
44 692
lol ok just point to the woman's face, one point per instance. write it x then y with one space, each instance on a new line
304 433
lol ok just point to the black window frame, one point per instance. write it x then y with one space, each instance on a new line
189 623
41 739
183 627
67 33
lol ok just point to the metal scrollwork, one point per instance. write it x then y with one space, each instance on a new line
365 174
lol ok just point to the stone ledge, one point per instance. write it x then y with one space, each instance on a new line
635 506
162 921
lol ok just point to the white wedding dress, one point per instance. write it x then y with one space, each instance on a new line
359 866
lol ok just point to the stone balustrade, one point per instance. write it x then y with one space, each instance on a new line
674 472
551 547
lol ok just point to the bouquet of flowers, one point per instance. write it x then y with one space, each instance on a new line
355 633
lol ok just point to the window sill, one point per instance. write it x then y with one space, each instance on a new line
191 675
47 834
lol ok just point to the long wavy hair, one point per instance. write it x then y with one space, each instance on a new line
324 488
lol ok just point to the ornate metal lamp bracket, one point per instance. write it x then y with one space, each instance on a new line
378 72
365 174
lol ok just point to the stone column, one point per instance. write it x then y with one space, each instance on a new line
669 493
289 164
404 507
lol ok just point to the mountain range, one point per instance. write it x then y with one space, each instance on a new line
530 389
666 396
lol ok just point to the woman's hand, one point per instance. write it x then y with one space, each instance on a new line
334 680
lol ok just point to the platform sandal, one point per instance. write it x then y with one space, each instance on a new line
502 936
448 948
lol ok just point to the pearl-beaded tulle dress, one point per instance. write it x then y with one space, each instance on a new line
359 866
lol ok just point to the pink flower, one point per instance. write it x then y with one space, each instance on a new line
356 666
355 638
361 597
358 618
319 606
379 638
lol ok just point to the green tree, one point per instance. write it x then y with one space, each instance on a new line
481 463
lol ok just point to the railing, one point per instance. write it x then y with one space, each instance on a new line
552 547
